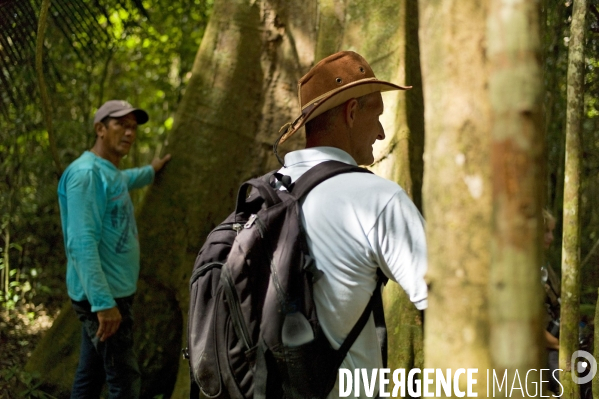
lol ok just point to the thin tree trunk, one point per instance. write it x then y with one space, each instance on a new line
570 297
457 189
515 297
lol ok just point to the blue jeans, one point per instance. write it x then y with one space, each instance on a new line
112 361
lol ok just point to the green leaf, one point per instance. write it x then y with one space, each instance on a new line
16 246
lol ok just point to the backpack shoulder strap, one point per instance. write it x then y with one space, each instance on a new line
375 306
301 187
320 173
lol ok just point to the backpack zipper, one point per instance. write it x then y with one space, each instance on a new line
251 220
227 226
235 308
201 270
254 219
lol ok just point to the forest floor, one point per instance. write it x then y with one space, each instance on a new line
20 330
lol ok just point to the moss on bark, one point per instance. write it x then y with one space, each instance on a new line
570 312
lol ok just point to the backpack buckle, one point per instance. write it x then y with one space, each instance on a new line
237 227
285 180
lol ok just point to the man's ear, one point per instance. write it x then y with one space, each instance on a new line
99 129
350 111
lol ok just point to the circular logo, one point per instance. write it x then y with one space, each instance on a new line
582 366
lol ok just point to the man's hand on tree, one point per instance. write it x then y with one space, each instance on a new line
158 163
110 320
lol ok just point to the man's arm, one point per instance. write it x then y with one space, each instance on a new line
551 342
399 242
109 320
140 177
86 204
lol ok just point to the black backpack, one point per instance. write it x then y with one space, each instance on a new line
253 270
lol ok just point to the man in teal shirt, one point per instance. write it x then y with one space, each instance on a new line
101 242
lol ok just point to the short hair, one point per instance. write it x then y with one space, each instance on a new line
106 120
323 121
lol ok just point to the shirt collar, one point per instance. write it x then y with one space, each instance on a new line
315 154
103 161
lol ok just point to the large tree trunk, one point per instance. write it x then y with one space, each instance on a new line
570 312
515 297
399 156
243 88
386 34
457 185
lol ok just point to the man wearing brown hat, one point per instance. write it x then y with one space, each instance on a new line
355 223
100 237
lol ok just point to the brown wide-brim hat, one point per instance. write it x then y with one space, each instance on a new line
333 81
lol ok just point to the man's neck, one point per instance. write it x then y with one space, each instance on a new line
114 159
328 141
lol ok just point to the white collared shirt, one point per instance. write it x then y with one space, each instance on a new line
356 223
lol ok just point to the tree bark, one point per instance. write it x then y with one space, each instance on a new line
457 185
386 34
399 156
515 296
570 313
243 88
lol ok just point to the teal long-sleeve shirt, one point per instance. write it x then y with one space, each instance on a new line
99 229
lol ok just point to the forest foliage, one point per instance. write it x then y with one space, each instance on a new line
144 54
555 30
139 52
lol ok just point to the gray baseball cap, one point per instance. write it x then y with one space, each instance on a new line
118 108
